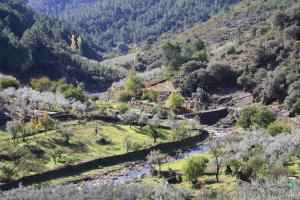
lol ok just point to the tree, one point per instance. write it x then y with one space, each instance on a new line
194 167
152 132
175 101
129 118
96 130
73 42
156 158
47 123
67 134
15 128
79 42
217 148
134 84
278 127
127 142
79 108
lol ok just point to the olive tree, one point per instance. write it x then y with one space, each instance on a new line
194 167
15 128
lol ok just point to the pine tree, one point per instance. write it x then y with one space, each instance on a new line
73 42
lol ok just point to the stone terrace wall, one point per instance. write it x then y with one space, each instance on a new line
83 166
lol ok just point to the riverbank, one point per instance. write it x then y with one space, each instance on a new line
167 147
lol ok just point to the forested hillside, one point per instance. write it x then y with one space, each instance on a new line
117 22
253 46
41 46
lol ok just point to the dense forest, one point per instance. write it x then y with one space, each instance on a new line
113 24
41 46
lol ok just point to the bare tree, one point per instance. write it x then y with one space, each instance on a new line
156 158
217 148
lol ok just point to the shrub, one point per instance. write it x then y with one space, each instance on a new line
278 20
8 170
292 33
278 127
199 45
134 84
194 167
150 95
104 141
252 115
8 81
192 66
293 94
160 111
296 107
245 119
66 159
175 101
221 72
75 93
122 107
46 123
200 56
41 84
124 96
264 117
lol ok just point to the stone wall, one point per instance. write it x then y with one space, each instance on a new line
93 164
209 117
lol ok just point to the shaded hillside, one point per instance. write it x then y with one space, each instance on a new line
117 22
255 39
41 46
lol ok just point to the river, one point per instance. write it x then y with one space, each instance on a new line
144 168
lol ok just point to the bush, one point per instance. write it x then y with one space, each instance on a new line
194 167
66 159
199 45
258 116
160 111
296 107
292 33
264 117
278 127
245 119
231 50
8 170
278 20
41 84
134 84
175 101
200 56
124 96
122 107
104 141
221 72
150 95
46 123
75 93
8 81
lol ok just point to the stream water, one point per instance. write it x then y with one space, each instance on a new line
144 169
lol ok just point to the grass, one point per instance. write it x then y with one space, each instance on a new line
84 145
227 182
